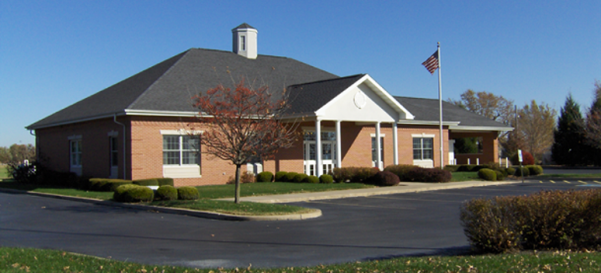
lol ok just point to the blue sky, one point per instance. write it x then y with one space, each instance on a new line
55 53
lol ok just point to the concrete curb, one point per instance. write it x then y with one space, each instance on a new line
404 187
314 213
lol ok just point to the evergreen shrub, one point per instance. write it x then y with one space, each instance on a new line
510 171
523 171
290 176
265 177
105 184
312 179
299 177
280 176
326 179
187 193
428 175
131 193
487 174
535 169
147 182
166 192
165 181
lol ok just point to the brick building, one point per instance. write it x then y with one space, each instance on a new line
140 127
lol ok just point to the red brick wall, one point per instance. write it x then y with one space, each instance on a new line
53 146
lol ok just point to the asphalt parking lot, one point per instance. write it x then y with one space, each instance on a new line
351 229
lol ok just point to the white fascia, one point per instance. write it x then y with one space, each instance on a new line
155 113
428 122
369 81
458 128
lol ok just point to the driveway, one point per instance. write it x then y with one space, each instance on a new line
350 229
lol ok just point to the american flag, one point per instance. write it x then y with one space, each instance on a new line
432 63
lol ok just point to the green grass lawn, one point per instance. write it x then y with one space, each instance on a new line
38 260
464 176
229 207
257 189
3 172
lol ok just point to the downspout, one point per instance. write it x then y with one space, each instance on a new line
37 153
124 155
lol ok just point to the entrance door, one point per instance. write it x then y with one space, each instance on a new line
328 152
114 157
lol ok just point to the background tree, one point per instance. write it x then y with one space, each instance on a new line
243 123
536 124
569 136
4 155
593 128
487 104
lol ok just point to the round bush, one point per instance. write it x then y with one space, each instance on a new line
385 178
523 171
187 193
535 169
133 193
312 179
299 177
487 174
280 176
166 192
290 177
500 175
265 177
510 171
326 179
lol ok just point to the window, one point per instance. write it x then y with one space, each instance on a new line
114 152
75 152
423 148
181 150
243 44
374 155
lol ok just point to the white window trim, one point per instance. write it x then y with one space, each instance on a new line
181 170
417 161
423 135
374 135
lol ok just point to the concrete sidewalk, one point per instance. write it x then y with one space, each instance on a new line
403 187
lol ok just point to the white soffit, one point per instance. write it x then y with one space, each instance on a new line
359 100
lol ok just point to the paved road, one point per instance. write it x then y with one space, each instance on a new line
351 229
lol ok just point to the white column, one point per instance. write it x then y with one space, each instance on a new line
318 156
395 144
338 145
378 146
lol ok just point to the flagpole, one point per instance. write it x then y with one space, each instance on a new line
440 107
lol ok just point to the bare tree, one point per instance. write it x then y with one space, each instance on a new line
243 123
486 104
536 125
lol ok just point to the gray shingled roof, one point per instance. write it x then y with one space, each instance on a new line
309 97
169 85
427 110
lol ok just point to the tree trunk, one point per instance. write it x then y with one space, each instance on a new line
237 197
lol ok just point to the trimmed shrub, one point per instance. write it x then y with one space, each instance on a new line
500 175
133 193
147 182
166 181
487 174
299 177
450 168
401 171
166 192
280 176
187 193
385 178
105 184
265 177
326 179
523 171
312 179
510 171
566 220
428 175
290 176
535 169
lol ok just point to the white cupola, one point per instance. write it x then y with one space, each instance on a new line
245 41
